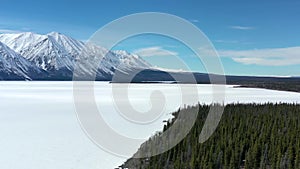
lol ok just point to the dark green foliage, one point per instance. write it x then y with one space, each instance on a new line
249 136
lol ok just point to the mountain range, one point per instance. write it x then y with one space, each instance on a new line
54 56
31 56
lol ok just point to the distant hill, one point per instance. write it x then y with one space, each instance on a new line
152 75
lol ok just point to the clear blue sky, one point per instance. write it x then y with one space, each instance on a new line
253 37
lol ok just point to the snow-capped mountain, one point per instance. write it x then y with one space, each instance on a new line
15 67
110 61
125 58
70 45
43 50
57 54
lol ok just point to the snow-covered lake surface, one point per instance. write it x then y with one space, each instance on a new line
39 127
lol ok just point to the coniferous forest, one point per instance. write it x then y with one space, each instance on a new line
250 136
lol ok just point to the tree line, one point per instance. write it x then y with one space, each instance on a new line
249 136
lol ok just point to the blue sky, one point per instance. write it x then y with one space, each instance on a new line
252 37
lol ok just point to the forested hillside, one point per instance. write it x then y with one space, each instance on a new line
249 136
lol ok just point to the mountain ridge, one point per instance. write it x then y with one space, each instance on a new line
53 57
57 54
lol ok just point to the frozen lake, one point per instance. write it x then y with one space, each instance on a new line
39 126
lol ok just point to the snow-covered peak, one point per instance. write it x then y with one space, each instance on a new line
54 34
121 52
131 59
43 50
20 41
58 52
72 46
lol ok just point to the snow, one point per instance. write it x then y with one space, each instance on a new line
39 126
12 62
55 51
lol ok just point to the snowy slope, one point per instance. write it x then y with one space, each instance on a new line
109 60
43 50
128 60
14 66
70 45
56 52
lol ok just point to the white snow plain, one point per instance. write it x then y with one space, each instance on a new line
39 127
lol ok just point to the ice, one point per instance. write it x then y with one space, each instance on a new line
39 127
